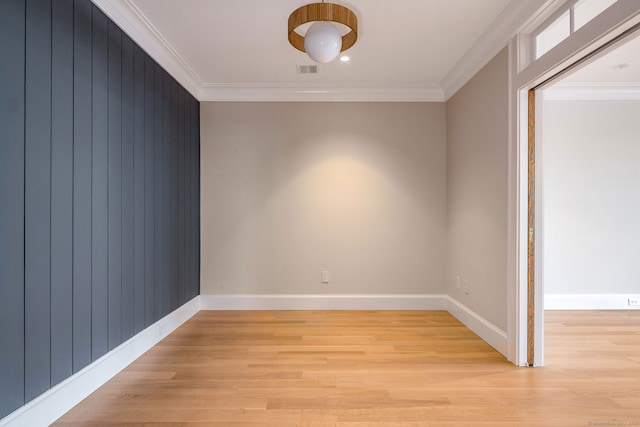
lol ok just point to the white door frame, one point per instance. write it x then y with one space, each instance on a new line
609 25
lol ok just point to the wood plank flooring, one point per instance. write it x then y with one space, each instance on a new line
372 368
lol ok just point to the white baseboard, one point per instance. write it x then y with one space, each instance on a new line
51 405
494 336
589 302
323 302
54 403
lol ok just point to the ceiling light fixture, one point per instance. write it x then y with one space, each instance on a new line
323 42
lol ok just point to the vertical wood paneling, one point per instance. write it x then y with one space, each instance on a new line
115 187
138 189
188 195
166 214
193 196
159 191
181 282
185 198
127 188
12 80
98 191
196 197
149 193
99 179
61 191
173 214
82 185
196 189
38 198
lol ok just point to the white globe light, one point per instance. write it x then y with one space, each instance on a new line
323 42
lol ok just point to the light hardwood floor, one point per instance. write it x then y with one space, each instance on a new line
372 368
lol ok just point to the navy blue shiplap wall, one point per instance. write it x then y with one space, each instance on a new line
99 192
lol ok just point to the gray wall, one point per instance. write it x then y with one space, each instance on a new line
290 189
591 153
99 193
477 192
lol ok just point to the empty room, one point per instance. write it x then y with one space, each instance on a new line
222 212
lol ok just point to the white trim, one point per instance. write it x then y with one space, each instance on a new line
323 302
539 238
589 302
133 22
542 15
491 334
619 17
54 403
516 271
522 145
493 40
319 93
615 20
593 92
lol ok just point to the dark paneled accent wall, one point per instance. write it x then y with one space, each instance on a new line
99 193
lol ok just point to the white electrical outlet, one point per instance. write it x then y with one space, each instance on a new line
634 302
457 282
324 276
466 287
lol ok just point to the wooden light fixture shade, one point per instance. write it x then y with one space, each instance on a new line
323 12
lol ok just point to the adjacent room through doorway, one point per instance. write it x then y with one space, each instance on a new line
590 197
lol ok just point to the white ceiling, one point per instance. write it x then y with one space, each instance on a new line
620 66
612 75
414 42
407 50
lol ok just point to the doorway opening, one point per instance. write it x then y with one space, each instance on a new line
535 215
588 139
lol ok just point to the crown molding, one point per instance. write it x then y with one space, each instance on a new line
593 92
319 93
133 22
511 20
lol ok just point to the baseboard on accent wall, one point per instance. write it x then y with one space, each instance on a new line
54 403
323 302
589 301
494 336
51 405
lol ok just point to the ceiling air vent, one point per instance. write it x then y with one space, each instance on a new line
307 69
